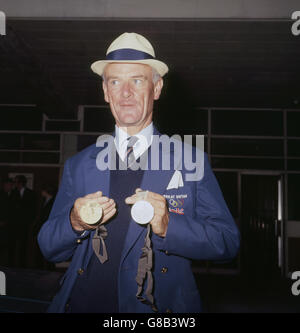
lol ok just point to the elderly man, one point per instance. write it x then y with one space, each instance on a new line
112 261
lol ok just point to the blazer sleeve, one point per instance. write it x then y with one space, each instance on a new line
209 233
57 239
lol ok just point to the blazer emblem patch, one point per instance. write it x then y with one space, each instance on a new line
176 203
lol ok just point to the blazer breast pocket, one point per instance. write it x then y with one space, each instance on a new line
180 201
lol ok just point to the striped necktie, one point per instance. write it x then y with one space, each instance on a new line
130 158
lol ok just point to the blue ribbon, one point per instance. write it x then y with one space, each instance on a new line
128 54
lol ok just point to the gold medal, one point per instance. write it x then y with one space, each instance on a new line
91 213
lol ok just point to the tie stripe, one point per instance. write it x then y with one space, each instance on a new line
130 158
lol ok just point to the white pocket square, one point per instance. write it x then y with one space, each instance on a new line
176 180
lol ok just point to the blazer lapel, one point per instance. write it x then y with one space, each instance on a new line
96 179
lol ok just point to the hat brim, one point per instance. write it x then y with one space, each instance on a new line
98 66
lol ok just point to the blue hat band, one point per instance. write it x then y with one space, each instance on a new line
128 54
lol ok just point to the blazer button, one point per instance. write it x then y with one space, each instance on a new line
78 241
80 271
164 270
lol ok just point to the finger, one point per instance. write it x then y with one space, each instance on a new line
84 201
108 208
93 195
89 226
154 220
155 196
104 200
159 212
109 215
149 195
132 200
137 196
108 204
156 223
157 203
100 200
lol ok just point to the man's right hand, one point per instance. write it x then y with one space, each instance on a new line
108 206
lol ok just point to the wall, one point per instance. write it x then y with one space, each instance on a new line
276 9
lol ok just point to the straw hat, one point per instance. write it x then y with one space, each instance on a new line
130 48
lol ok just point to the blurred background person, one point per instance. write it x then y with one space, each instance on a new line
35 257
5 216
22 217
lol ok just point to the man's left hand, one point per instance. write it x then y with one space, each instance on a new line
160 219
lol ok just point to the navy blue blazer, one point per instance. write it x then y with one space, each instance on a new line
202 228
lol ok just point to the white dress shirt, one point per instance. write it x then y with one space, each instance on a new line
145 140
22 192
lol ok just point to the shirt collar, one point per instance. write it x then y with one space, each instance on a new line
145 139
22 191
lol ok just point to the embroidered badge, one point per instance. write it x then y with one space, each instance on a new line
176 202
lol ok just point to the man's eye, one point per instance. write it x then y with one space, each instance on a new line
114 82
138 81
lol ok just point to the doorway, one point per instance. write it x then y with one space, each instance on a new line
261 225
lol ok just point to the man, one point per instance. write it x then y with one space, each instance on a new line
36 259
23 215
110 266
5 216
48 194
5 201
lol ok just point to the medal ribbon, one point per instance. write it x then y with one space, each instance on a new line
145 273
98 240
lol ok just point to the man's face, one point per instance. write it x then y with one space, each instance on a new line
130 92
18 183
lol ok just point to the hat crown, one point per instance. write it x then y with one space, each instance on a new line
130 48
131 40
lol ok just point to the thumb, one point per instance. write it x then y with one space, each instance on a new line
93 195
133 198
130 200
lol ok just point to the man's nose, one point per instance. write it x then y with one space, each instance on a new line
126 90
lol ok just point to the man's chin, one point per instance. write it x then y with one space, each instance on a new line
130 121
124 125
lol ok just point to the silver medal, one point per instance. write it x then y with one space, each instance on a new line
142 211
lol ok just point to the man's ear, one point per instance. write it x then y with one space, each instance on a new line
104 87
157 88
